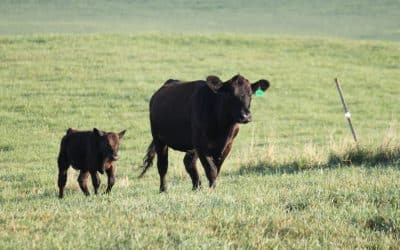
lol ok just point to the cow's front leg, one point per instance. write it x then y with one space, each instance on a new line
95 181
110 178
82 180
228 141
190 165
223 156
210 168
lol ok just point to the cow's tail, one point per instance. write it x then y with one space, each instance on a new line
148 159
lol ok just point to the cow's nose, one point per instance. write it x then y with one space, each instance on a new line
245 118
115 157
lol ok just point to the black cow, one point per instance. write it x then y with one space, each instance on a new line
90 152
200 118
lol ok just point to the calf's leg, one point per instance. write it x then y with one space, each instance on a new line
190 164
82 180
110 178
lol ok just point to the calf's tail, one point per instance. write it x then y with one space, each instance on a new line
148 159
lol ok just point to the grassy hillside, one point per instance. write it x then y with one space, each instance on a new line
351 19
49 83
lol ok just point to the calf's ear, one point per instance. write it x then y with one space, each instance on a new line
69 131
98 132
214 83
260 84
121 134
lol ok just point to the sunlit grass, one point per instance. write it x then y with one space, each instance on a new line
336 18
277 188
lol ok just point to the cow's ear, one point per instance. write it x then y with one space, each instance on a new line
214 83
98 132
260 84
70 131
121 134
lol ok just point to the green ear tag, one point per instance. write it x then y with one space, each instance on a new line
259 92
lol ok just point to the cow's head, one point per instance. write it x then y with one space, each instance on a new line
108 143
236 95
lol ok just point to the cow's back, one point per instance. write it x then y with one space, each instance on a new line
170 114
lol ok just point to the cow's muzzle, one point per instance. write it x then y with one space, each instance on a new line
245 118
114 157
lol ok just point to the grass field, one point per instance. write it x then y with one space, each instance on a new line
293 179
365 19
52 82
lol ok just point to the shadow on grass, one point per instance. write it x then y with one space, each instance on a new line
384 225
26 196
357 156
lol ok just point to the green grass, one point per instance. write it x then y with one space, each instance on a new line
351 19
51 82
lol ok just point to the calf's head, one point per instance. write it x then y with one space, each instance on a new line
108 143
235 96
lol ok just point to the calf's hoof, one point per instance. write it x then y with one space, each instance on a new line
107 192
197 186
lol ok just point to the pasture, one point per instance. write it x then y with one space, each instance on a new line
279 187
337 18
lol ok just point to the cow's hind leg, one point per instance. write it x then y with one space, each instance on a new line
162 164
190 164
210 168
95 181
62 174
82 180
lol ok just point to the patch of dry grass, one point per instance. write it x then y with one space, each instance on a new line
311 156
